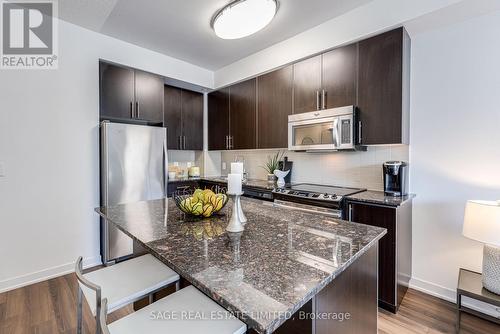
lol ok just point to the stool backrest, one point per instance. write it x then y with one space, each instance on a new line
102 317
85 282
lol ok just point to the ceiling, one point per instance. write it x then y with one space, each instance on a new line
181 28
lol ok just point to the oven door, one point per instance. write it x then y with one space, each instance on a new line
314 134
335 213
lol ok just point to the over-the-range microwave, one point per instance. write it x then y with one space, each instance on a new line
322 130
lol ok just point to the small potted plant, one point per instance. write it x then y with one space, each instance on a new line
272 165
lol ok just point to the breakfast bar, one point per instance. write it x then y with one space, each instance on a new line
287 271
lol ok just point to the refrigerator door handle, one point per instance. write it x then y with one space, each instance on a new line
105 188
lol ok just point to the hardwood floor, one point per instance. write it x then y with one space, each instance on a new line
50 307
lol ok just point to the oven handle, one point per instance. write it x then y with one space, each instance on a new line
308 208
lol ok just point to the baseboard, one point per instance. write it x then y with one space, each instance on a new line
42 275
451 296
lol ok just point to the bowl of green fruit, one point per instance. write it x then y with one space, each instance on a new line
201 202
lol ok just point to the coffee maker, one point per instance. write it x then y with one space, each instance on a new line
395 178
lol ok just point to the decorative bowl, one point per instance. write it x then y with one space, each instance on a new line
201 202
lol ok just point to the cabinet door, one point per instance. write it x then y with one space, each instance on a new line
148 97
172 116
382 217
339 76
192 120
380 88
274 106
242 107
307 85
218 119
116 91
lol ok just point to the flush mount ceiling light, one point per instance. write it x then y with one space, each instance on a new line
243 18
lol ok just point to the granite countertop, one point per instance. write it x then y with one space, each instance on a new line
378 197
262 275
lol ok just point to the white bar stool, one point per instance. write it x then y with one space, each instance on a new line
121 284
170 316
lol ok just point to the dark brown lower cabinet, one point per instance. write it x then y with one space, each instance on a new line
394 248
172 187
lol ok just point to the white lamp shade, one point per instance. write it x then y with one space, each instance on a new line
482 221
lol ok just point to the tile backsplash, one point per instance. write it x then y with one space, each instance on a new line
196 158
349 169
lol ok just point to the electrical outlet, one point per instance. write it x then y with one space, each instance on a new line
2 169
223 165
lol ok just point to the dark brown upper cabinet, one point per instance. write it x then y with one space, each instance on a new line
274 106
192 120
148 97
218 119
242 115
116 91
383 89
173 116
326 81
307 85
130 95
232 117
372 75
183 114
339 77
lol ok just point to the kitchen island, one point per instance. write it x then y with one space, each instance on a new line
289 271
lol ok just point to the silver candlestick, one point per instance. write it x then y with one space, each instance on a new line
241 215
235 222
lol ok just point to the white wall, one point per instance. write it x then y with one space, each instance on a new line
455 144
49 144
374 17
348 169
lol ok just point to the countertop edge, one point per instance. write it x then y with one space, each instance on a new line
396 201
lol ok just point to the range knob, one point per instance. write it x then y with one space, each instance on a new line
325 195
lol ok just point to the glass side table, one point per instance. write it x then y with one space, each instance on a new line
470 284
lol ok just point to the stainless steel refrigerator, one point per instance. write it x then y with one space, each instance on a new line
133 168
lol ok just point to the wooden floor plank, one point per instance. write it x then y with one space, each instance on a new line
40 308
50 308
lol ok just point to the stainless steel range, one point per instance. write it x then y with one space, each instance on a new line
323 199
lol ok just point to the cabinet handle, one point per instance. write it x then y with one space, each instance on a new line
350 212
137 115
360 128
231 142
317 100
227 144
323 99
179 142
183 142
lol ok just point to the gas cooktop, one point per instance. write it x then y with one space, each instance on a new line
317 191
